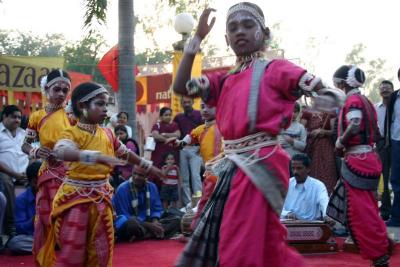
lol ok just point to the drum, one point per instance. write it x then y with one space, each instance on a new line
186 223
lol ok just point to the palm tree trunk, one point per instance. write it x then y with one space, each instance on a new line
126 84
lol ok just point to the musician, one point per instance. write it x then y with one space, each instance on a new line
307 197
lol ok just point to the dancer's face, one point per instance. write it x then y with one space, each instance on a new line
58 92
244 34
97 109
207 112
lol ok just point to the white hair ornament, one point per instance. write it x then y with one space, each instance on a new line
351 79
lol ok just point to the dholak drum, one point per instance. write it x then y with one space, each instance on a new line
310 236
186 222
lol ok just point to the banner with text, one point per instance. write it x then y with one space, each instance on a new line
19 73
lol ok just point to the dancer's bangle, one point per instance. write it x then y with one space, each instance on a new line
193 46
88 157
33 153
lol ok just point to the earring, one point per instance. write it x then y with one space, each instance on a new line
85 113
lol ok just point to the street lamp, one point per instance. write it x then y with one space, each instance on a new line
184 24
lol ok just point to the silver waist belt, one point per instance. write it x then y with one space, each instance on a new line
85 183
249 143
359 149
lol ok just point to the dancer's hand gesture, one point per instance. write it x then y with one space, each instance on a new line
204 28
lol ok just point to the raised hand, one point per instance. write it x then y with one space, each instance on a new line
204 28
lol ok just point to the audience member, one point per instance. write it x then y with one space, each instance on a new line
320 148
163 132
189 160
138 208
385 90
170 185
392 137
307 197
208 137
122 173
294 138
24 213
123 120
12 160
3 205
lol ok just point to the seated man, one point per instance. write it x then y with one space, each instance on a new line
3 205
307 197
24 214
138 207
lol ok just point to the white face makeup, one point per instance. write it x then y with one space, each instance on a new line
257 34
58 92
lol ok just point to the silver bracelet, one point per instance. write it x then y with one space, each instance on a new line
88 157
145 164
33 152
193 46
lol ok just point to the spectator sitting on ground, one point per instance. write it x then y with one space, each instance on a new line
13 161
307 197
138 207
24 213
3 205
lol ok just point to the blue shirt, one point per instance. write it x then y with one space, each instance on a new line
122 201
24 212
307 201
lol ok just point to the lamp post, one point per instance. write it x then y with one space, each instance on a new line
184 25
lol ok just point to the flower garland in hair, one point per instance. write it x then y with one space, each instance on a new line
135 200
351 79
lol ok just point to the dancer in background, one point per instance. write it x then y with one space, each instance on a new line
240 224
46 125
82 215
208 137
353 201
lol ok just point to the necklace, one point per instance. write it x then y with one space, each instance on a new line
135 199
245 62
52 107
91 128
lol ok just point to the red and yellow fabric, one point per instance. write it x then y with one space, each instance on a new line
210 141
47 127
100 141
82 218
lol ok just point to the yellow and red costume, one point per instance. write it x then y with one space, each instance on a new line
82 215
210 140
47 128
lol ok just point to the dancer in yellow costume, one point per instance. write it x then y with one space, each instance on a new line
82 215
46 126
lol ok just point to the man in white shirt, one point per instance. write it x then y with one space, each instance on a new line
13 162
385 90
392 139
307 197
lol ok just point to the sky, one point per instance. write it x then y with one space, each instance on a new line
334 25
